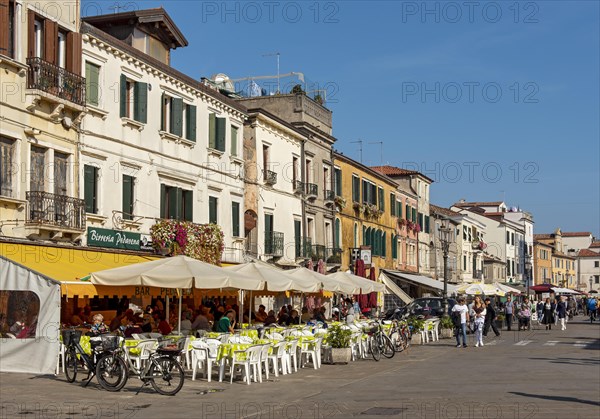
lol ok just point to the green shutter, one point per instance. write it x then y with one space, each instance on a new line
393 204
212 210
172 202
365 236
234 141
212 131
399 209
235 219
188 205
221 130
414 215
92 75
127 197
338 182
384 245
123 97
89 186
190 132
140 102
381 199
179 204
162 112
163 197
394 245
427 224
177 117
298 237
337 237
407 211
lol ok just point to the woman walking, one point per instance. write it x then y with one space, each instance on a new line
524 315
479 314
561 311
548 314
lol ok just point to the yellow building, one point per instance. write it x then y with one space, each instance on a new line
542 261
563 266
367 216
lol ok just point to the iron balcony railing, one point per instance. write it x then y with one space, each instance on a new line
303 247
312 190
270 177
274 243
333 255
55 80
478 274
298 187
329 195
318 252
56 210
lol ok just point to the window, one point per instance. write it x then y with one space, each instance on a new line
414 215
427 224
92 86
338 181
266 162
356 235
420 220
38 38
234 141
507 237
326 179
469 234
90 188
399 209
133 100
512 239
370 192
61 173
213 206
128 197
269 234
381 199
294 171
61 49
407 211
597 279
235 219
37 176
596 264
7 148
216 132
176 203
355 189
384 245
298 237
394 246
172 115
393 204
308 170
7 28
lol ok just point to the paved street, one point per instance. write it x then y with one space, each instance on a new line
538 374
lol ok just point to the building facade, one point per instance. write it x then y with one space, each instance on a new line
438 214
564 268
588 261
542 254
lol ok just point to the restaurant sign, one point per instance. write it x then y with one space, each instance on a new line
115 239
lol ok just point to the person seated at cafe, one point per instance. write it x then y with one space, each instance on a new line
283 316
261 314
306 316
319 315
147 320
186 323
201 321
127 317
293 318
98 327
76 320
163 326
116 321
226 323
271 319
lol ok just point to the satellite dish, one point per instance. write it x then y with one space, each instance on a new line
223 82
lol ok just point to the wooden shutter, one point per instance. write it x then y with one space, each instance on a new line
393 204
338 182
221 130
384 245
89 188
127 197
172 202
399 209
381 199
212 210
407 209
4 27
92 88
177 116
188 205
235 219
30 33
140 102
190 132
163 197
74 52
50 41
234 138
212 131
123 96
337 238
427 224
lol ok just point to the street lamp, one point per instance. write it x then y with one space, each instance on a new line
446 239
528 271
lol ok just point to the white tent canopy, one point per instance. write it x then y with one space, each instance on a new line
327 282
365 285
277 280
558 290
479 289
506 288
38 307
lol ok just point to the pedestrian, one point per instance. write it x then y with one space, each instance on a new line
591 308
548 314
524 315
479 312
561 310
539 308
460 315
490 318
508 312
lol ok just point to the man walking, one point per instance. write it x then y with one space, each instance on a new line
490 318
508 311
460 314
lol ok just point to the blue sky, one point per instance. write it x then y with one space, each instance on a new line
498 101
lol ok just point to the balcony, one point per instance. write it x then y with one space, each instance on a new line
318 252
55 212
270 177
333 256
478 274
274 244
312 191
298 187
329 197
304 247
55 81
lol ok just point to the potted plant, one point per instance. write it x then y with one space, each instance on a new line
339 340
447 326
417 327
340 202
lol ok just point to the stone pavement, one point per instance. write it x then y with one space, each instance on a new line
535 374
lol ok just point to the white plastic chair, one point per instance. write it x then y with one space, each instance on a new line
154 336
279 357
433 330
309 349
275 336
247 358
205 355
60 362
185 352
145 349
264 359
292 354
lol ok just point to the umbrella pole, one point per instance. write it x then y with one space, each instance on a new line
167 310
180 300
250 309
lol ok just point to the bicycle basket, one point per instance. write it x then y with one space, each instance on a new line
371 329
109 342
70 336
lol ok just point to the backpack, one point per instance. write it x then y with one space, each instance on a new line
456 319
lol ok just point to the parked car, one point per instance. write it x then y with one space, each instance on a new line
428 307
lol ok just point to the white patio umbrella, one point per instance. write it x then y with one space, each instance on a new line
479 289
326 282
365 285
180 272
506 288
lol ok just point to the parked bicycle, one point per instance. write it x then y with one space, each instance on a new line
379 343
109 369
400 335
162 370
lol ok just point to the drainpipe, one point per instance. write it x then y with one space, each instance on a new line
303 177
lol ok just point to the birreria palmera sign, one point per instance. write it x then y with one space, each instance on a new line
115 239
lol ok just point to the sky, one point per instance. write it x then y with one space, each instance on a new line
493 100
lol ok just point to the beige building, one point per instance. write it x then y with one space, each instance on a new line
42 102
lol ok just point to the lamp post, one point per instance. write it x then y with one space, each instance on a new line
446 238
528 271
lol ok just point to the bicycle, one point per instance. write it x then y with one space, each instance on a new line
379 342
161 370
109 369
400 335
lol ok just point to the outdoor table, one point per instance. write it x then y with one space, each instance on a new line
251 333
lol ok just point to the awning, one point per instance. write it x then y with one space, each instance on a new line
392 288
420 280
558 290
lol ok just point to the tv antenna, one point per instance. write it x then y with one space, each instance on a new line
360 148
273 54
380 150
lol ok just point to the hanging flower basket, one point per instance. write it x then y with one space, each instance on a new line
417 228
339 202
202 242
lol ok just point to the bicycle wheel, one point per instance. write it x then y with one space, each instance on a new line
387 346
166 376
396 338
71 362
111 372
375 348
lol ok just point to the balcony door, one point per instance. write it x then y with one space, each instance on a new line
61 161
268 234
37 176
